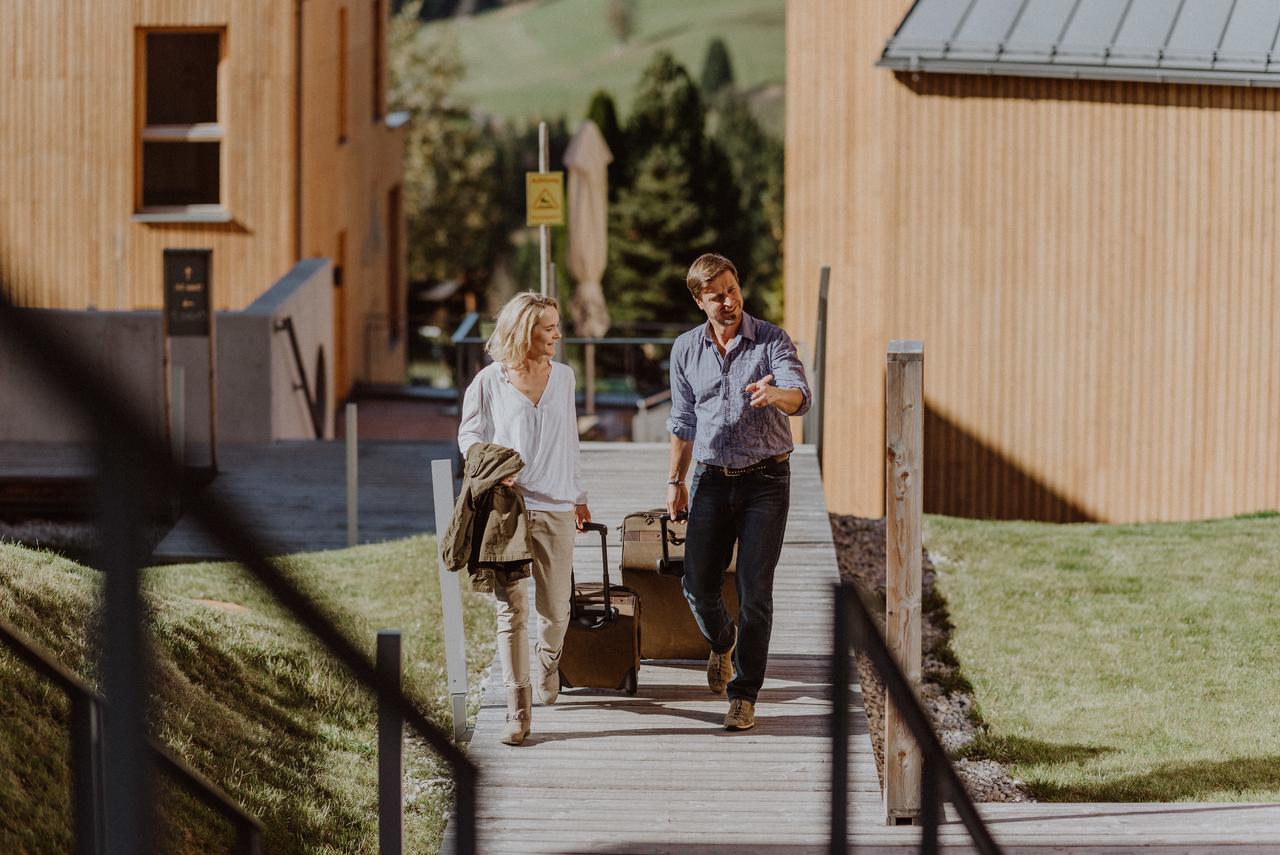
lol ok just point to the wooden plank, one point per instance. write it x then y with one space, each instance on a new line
904 500
660 762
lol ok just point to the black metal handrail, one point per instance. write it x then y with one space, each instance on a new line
87 709
317 423
135 461
855 629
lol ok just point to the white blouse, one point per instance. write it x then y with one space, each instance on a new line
546 435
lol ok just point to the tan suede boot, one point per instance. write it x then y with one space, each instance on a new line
519 708
548 678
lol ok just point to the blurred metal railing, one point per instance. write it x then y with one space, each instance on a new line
135 463
87 712
855 630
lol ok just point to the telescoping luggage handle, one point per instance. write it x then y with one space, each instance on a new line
608 615
665 565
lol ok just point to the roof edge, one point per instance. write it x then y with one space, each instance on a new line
1060 71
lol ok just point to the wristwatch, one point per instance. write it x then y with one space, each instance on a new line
676 483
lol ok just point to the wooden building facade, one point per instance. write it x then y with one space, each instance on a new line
257 130
1091 264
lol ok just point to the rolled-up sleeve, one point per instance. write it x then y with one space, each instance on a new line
683 421
788 371
475 424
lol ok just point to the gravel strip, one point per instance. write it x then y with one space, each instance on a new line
861 557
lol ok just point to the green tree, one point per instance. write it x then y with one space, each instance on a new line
717 71
677 199
758 168
453 195
604 113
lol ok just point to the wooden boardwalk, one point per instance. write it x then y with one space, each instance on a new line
657 772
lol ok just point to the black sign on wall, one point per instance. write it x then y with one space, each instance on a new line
186 291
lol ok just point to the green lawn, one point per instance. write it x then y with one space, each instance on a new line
1121 662
243 694
546 58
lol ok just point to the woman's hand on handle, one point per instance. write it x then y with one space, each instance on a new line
581 516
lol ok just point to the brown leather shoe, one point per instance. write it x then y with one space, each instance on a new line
741 716
519 707
720 667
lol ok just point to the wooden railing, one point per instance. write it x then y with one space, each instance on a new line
918 776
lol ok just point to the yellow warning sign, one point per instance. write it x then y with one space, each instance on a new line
544 198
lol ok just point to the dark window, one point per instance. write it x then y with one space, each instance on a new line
179 173
180 138
395 268
182 78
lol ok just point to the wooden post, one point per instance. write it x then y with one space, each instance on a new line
904 504
820 363
353 488
178 416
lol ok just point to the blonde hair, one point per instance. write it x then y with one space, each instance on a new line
513 335
708 266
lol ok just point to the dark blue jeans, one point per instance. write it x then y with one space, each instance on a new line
750 510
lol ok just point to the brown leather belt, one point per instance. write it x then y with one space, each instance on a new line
745 470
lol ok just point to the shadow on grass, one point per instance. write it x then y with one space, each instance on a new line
1017 750
1173 782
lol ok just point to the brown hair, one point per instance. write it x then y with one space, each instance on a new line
708 266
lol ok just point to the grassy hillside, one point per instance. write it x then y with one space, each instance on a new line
242 694
1121 662
546 57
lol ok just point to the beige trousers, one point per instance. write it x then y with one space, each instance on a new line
553 533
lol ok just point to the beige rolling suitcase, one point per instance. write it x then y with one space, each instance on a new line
653 566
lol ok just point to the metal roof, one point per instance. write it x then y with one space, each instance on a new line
1230 42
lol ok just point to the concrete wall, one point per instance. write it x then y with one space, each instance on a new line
127 347
259 389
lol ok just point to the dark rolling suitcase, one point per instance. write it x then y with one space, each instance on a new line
653 567
602 644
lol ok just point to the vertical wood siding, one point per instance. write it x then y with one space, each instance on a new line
345 185
67 165
1092 267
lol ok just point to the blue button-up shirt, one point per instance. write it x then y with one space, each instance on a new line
710 404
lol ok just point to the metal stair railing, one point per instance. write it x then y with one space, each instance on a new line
855 630
135 462
87 711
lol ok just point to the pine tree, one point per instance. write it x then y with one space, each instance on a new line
452 194
676 200
604 113
757 164
717 71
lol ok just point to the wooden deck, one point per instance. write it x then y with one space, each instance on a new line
295 492
657 772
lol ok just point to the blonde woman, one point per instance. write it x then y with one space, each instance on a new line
525 401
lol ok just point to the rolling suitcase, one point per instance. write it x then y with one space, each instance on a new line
653 566
602 644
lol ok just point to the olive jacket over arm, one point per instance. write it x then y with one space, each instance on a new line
489 532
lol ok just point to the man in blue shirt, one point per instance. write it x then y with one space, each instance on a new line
734 381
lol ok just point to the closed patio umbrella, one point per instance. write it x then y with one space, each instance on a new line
587 159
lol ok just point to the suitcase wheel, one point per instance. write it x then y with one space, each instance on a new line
630 684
